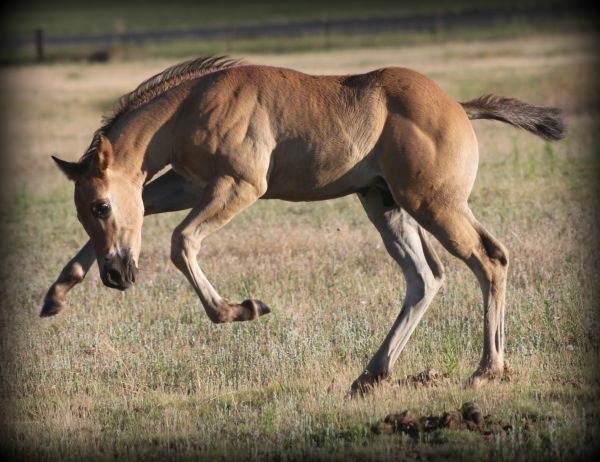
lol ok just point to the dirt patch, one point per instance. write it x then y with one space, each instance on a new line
508 374
426 379
469 417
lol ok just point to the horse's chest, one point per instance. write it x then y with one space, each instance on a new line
191 168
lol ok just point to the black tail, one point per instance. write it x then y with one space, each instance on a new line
541 121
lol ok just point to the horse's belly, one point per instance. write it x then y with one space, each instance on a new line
309 177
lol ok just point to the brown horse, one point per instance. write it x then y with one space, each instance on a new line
236 133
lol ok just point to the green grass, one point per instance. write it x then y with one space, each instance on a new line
110 17
96 17
314 42
145 376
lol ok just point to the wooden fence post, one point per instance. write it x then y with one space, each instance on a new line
39 45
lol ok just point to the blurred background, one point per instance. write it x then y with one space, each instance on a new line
106 30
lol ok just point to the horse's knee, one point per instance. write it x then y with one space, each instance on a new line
182 248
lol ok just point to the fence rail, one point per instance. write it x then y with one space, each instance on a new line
420 22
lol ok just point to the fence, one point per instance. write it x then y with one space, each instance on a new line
421 22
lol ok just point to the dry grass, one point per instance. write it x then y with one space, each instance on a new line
146 375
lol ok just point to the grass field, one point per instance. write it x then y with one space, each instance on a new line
145 375
67 18
70 17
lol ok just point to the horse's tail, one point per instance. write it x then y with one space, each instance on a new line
545 122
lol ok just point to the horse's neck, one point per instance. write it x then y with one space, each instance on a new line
142 138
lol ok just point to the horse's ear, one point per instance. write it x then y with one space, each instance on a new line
105 153
73 170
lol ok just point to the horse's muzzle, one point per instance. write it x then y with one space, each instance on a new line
119 272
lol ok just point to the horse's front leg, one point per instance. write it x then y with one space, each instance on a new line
221 201
168 193
71 275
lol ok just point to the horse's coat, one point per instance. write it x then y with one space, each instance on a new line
236 133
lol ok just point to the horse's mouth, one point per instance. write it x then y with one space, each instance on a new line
119 274
119 286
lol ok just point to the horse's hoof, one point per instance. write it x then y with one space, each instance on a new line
478 380
365 384
51 307
256 307
484 375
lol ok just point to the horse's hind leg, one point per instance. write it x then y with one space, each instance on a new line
430 172
167 193
408 245
463 236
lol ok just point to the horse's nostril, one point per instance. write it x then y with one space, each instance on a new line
114 276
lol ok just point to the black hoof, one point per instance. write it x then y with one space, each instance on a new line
365 384
256 306
50 308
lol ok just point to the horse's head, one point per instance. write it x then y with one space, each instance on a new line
110 208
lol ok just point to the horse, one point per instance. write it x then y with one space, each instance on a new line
233 133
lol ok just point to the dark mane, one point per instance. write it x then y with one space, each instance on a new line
160 83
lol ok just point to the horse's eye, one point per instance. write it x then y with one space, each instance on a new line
101 209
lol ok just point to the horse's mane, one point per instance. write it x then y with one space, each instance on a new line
158 84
